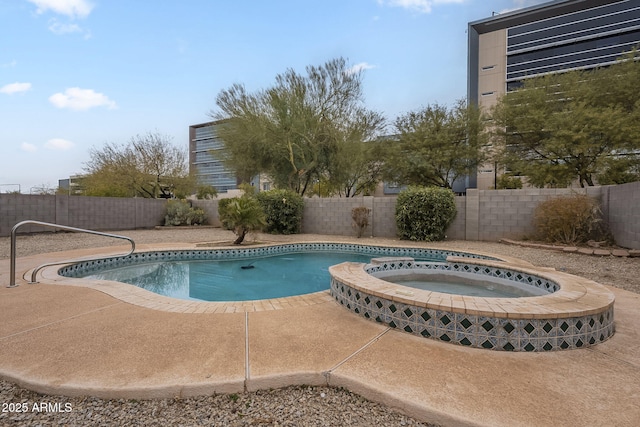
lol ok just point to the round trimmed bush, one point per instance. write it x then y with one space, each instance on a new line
424 213
283 210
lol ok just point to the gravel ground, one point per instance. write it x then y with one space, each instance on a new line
291 406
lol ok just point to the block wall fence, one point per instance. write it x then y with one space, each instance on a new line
482 214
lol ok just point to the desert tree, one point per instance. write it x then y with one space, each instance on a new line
293 130
147 165
434 145
574 125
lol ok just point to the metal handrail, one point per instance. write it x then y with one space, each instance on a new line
12 278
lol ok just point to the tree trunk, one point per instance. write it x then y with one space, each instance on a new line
240 233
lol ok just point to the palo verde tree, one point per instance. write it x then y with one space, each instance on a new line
147 166
354 168
294 130
575 125
434 146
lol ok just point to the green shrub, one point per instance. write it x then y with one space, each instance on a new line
508 182
197 216
206 192
180 212
222 206
283 210
568 220
242 215
360 217
424 213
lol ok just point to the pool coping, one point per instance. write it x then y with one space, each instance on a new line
144 298
578 314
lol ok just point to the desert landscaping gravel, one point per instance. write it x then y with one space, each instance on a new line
291 406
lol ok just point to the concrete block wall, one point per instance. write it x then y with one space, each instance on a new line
114 213
482 215
149 213
624 213
383 217
472 214
18 207
458 228
93 213
333 215
211 209
510 213
100 213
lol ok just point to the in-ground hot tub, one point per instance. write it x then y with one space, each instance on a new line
563 311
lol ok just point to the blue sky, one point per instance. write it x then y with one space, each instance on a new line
76 74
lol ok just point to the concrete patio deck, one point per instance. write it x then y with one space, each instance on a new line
79 341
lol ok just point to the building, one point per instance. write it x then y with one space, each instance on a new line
73 186
556 36
209 169
203 142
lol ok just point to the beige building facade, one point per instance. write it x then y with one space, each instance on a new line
556 36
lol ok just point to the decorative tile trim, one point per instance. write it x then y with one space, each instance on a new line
85 268
487 332
377 300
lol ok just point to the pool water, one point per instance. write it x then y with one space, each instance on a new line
225 280
467 289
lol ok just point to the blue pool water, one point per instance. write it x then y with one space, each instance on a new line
486 290
225 280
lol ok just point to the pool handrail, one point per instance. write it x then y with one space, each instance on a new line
12 277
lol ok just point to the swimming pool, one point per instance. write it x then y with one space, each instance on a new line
274 276
571 312
221 275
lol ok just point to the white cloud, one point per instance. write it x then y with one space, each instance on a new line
81 99
58 144
12 88
360 67
421 6
25 146
70 8
59 28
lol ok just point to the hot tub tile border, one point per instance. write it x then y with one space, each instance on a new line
521 334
